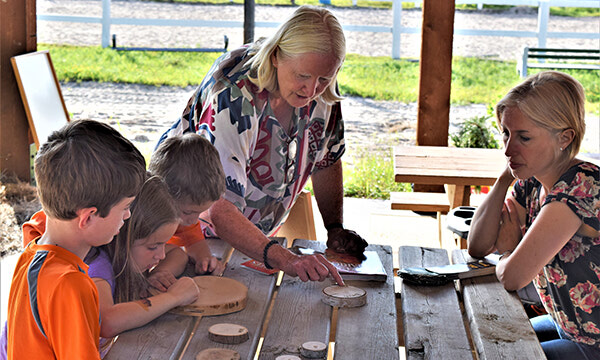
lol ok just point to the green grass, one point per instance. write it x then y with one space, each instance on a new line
474 80
381 78
370 174
94 63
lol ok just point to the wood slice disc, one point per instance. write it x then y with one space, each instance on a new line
218 354
344 296
218 296
228 333
287 357
313 350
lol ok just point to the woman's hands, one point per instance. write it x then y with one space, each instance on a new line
347 242
509 232
310 267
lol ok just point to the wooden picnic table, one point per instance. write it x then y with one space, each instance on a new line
279 318
434 317
457 168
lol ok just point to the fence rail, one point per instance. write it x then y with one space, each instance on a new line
542 33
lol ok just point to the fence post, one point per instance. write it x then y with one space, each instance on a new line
396 28
543 14
105 23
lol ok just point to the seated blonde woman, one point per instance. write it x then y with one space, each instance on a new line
547 228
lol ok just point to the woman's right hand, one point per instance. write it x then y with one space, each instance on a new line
184 290
509 233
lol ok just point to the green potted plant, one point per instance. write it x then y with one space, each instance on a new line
476 132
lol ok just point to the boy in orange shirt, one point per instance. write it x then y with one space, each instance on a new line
191 167
87 176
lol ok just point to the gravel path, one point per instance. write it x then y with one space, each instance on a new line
143 112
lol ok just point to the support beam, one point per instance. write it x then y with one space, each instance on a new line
18 29
435 72
249 7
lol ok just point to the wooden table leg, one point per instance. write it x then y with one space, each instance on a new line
458 195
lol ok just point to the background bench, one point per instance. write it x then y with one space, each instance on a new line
548 58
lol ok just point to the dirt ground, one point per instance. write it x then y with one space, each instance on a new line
18 201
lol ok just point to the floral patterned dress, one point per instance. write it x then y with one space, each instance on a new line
266 167
569 285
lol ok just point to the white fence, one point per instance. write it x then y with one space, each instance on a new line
542 34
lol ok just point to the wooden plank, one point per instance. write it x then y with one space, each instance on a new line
444 165
457 162
499 325
419 201
435 72
157 340
260 292
443 179
432 319
298 314
369 332
18 29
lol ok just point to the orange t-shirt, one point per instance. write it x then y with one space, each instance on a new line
63 320
184 235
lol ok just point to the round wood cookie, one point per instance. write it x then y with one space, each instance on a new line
218 354
218 296
287 357
313 350
228 333
344 296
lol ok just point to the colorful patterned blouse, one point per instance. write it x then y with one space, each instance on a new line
569 285
265 168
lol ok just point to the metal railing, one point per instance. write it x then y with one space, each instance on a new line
542 33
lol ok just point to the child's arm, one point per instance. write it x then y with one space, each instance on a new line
117 318
165 273
200 254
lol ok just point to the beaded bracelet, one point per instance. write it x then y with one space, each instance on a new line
334 226
266 249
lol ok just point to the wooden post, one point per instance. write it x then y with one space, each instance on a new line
435 72
435 75
18 29
248 21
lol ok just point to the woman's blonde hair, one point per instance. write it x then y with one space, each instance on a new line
552 100
310 29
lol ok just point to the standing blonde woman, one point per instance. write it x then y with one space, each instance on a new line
272 110
548 228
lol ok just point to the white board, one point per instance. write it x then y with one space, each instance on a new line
41 95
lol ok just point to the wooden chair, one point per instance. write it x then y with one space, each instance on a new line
300 224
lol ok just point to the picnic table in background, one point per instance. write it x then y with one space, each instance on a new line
457 168
279 319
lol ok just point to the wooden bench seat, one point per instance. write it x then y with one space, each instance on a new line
420 201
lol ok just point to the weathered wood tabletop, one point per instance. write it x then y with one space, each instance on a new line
496 327
279 319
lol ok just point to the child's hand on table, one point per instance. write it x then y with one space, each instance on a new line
185 290
209 265
161 279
